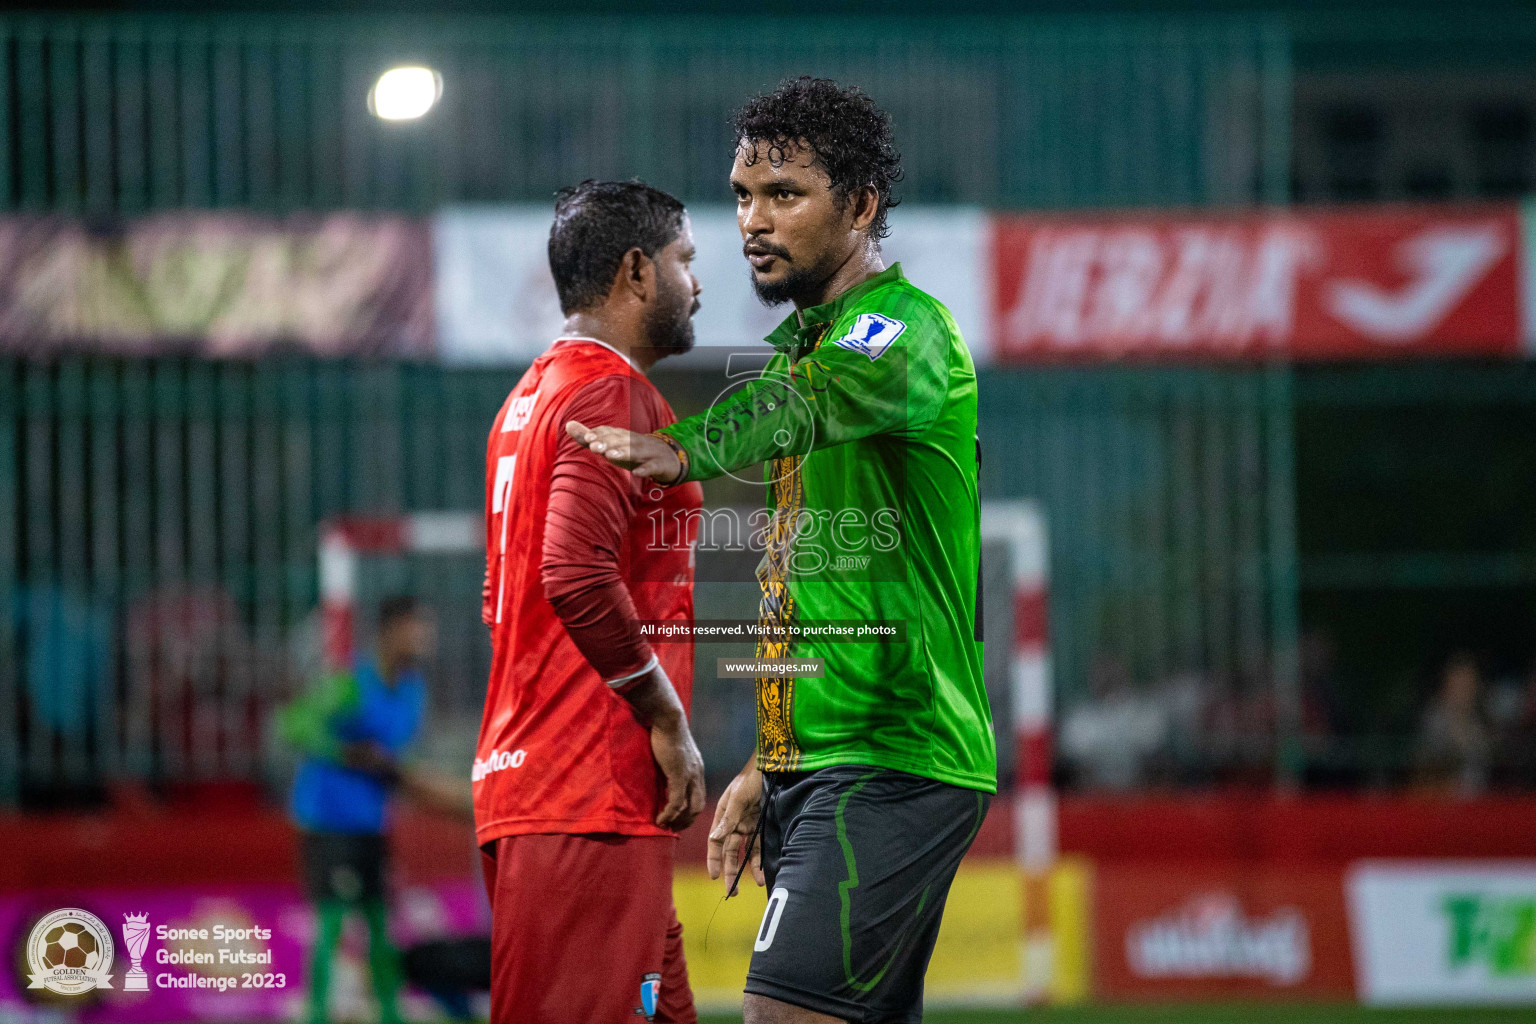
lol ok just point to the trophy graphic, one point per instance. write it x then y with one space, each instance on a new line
136 937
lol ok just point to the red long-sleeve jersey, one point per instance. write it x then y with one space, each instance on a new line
576 551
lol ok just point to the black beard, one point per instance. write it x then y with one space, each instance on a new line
669 333
800 283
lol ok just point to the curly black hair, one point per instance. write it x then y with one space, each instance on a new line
850 136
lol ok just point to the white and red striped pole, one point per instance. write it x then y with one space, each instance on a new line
338 593
1021 527
345 539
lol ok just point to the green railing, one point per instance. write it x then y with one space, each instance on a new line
159 526
158 538
107 115
1170 499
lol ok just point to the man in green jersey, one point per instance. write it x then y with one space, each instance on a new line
869 782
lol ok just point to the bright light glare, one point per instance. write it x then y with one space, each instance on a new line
402 94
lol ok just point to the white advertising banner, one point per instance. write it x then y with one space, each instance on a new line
496 301
1444 932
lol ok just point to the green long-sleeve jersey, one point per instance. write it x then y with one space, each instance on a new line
866 420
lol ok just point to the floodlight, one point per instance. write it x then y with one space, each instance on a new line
406 93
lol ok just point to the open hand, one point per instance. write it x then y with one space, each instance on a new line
644 455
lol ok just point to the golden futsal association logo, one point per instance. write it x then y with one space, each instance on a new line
70 952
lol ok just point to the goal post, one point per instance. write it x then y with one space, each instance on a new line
1020 527
346 539
1015 526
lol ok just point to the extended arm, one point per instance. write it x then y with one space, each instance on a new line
835 395
306 721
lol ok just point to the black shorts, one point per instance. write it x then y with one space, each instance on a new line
858 862
343 866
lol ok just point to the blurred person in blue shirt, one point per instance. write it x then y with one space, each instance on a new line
354 727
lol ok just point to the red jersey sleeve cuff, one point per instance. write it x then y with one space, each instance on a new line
624 682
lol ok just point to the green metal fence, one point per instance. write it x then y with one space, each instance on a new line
158 537
113 115
1170 499
158 544
158 518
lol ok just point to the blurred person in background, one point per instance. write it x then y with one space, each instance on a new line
1240 730
1322 712
1517 735
1109 739
1184 696
1455 746
586 768
353 728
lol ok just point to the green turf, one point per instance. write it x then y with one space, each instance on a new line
1288 1014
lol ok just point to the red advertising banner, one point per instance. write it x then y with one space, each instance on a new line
1379 283
1181 932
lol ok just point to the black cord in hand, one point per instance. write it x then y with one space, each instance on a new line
746 856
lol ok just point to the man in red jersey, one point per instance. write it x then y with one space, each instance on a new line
585 768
